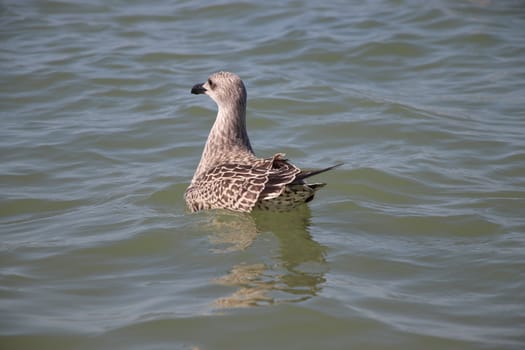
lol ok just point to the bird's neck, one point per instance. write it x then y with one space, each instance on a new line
228 140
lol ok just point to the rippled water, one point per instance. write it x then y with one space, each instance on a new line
416 243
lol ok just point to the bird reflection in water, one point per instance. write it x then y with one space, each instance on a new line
294 274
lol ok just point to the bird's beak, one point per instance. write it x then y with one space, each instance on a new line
198 89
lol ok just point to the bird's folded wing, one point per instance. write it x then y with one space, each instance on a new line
239 186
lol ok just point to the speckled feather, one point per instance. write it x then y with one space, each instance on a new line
229 175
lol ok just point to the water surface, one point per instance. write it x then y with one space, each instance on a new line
417 241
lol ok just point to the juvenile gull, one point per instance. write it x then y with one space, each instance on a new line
229 175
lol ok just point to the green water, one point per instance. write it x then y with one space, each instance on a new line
417 242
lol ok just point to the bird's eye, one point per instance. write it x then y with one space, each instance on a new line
210 83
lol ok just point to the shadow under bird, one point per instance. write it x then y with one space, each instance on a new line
229 175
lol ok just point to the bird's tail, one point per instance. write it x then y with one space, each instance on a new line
307 173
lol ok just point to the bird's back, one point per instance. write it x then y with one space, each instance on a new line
268 184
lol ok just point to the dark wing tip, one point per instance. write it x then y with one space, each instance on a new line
308 173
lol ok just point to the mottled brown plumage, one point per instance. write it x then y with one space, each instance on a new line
229 175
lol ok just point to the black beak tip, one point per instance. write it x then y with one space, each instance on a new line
198 89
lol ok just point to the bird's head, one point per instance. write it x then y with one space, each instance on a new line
224 88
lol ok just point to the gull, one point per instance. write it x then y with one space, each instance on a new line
229 175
